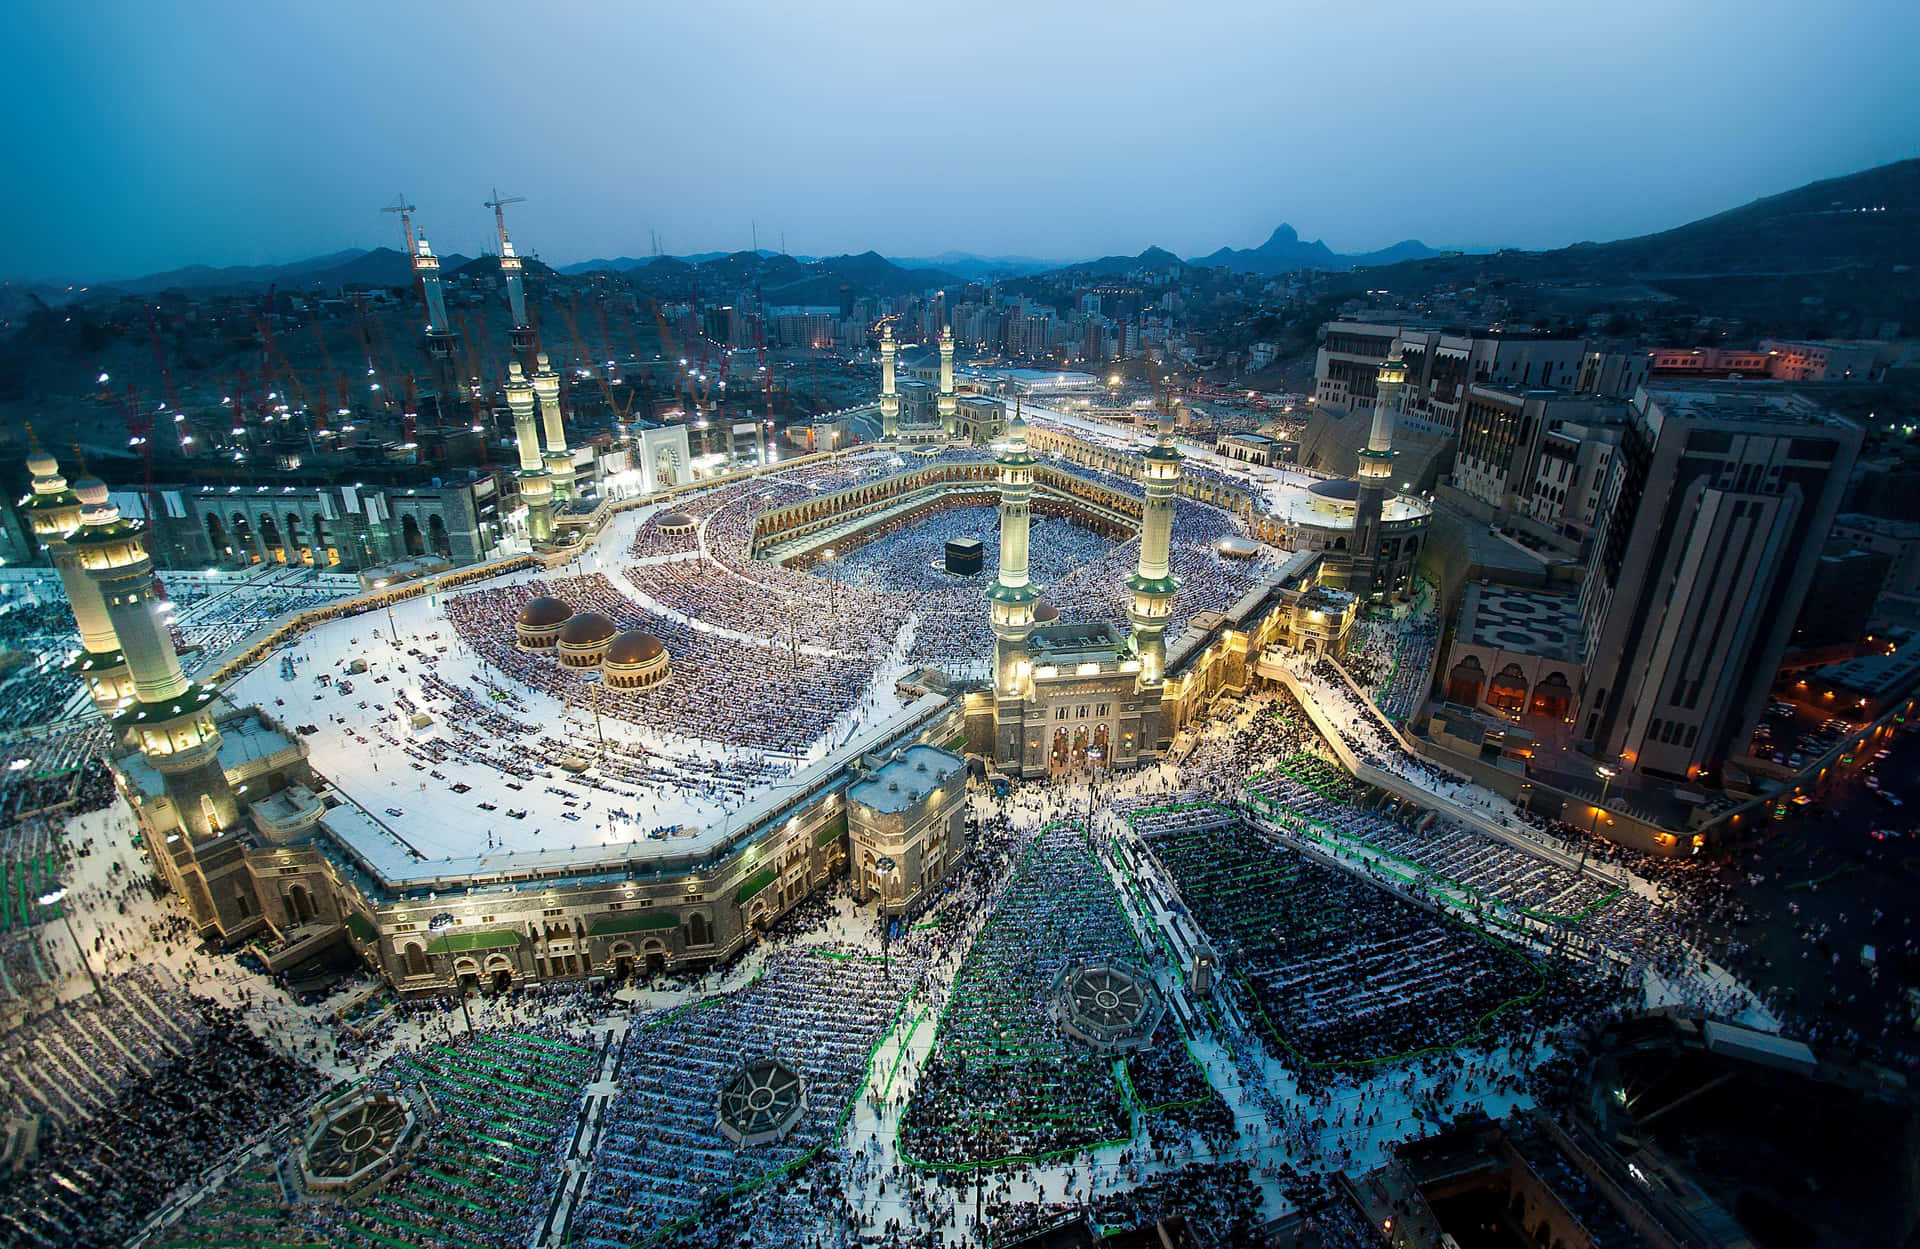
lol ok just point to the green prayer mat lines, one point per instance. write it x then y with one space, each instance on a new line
504 1100
1554 896
1312 948
1003 1084
820 1012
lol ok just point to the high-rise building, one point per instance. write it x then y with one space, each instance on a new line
1719 505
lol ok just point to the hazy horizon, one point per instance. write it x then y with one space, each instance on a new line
222 133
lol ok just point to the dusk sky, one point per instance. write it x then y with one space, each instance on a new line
147 136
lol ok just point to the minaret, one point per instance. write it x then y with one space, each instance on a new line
558 459
439 331
1374 476
520 333
167 717
56 514
1012 597
536 487
889 397
1152 586
948 402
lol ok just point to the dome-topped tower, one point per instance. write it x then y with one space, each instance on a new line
59 515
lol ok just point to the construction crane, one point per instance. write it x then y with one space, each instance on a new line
498 203
401 206
588 361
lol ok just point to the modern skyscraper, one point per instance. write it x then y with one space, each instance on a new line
1719 505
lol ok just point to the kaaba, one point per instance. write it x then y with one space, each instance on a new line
966 556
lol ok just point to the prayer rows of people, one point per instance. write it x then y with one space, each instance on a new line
495 1111
76 1060
721 690
40 688
54 768
1004 1080
97 1181
817 1010
209 629
1341 971
1392 661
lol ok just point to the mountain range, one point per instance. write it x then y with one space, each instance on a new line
1810 243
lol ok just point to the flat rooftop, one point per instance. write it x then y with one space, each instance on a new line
906 779
1526 622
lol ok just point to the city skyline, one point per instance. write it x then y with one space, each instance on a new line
1064 134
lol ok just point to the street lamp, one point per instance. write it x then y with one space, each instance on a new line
886 865
1606 775
53 899
593 680
388 604
833 605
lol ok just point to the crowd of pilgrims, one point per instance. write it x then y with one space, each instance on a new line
721 689
205 1085
879 582
211 628
1392 661
819 1010
1342 973
489 725
37 637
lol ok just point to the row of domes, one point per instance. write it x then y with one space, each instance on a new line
586 639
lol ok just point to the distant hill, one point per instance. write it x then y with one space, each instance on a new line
383 266
969 265
1849 244
1113 266
783 279
1283 252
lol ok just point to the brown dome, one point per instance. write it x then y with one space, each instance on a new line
589 628
1045 613
543 613
675 520
634 647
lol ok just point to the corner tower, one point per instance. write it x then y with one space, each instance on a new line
1151 588
1013 596
947 402
167 718
558 459
439 331
536 487
889 397
1374 477
57 514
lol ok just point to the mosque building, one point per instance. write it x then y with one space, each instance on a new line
263 848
